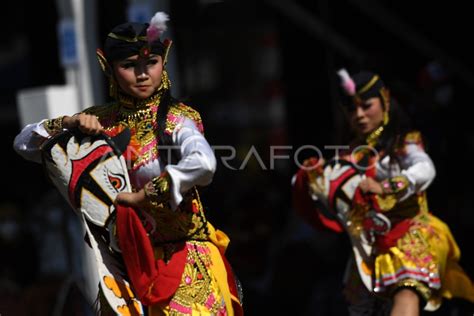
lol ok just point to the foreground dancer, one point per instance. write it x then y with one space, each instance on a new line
173 257
405 259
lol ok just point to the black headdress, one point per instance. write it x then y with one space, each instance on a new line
130 39
362 86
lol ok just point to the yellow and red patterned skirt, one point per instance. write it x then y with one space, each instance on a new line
204 287
426 259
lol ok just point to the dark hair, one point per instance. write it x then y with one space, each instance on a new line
394 132
164 139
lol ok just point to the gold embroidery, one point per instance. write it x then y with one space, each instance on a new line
423 202
393 188
54 126
186 222
386 202
368 85
415 247
396 185
134 104
195 287
373 137
158 189
178 111
357 215
128 39
139 117
418 286
413 138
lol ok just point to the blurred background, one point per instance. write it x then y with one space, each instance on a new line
261 73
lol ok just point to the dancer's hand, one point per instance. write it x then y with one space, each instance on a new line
369 185
86 123
134 199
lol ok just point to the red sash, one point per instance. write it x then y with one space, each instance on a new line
153 280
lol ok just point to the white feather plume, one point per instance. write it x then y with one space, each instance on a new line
157 26
347 82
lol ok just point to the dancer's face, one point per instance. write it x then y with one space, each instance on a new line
139 76
367 115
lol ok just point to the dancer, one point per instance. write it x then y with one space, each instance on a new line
375 190
174 257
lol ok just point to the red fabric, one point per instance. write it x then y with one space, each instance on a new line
154 281
384 242
361 198
304 205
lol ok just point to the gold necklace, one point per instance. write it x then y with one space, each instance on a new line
135 110
136 115
373 137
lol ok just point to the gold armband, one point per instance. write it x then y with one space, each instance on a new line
54 126
157 190
395 185
393 189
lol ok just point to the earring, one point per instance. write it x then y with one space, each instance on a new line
112 88
165 81
385 118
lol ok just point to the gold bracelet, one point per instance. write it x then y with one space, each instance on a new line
157 190
395 185
54 126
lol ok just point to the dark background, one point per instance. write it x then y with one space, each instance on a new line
262 74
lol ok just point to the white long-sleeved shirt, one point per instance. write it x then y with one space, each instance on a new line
196 166
415 165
